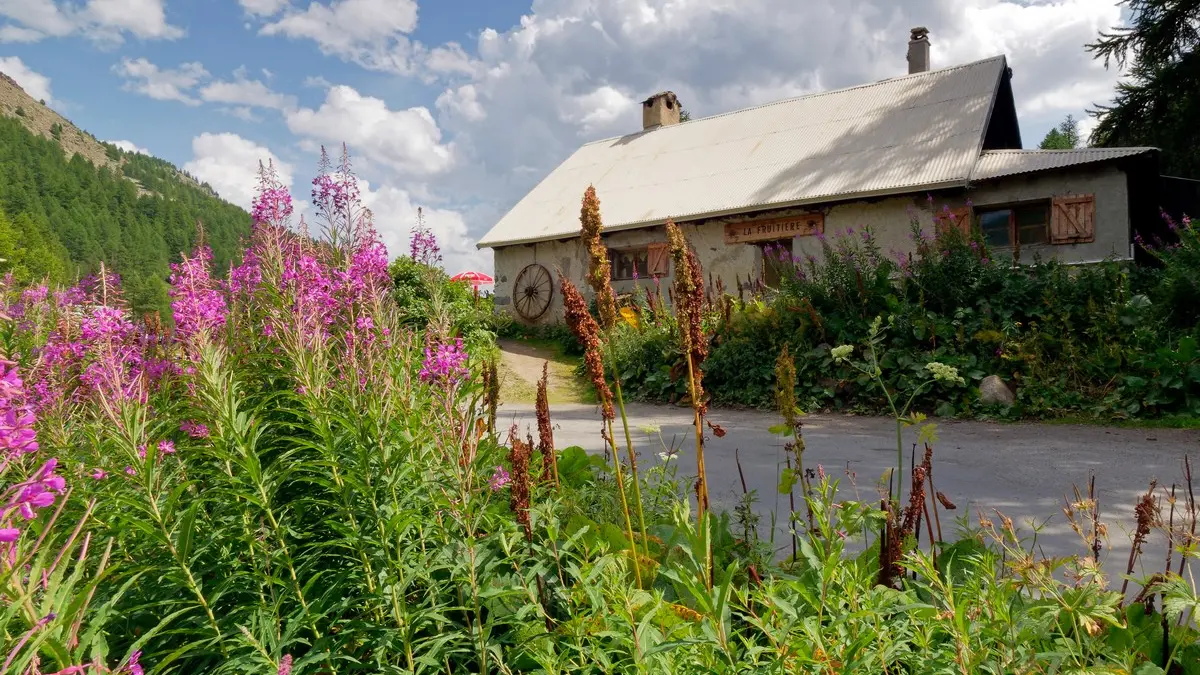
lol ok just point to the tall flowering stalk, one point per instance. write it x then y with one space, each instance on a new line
545 430
600 279
689 304
423 244
599 267
785 403
587 332
520 451
197 300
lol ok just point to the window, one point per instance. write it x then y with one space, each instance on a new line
776 259
639 263
629 264
1022 224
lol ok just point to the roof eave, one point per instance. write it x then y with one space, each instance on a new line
826 199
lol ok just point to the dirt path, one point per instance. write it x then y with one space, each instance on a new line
521 368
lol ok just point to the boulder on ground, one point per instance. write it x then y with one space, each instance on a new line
993 391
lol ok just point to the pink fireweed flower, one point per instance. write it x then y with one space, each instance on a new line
166 447
194 429
17 436
99 474
423 245
197 302
445 363
141 451
285 665
9 534
133 667
130 470
499 479
273 203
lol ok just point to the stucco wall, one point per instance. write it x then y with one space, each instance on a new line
889 219
570 257
1108 183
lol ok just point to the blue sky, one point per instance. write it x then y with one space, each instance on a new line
460 106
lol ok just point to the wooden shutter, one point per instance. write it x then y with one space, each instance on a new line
959 219
1073 219
658 260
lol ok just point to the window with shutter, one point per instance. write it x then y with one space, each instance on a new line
959 219
1073 219
1017 224
658 260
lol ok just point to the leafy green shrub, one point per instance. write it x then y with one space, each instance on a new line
426 295
1105 339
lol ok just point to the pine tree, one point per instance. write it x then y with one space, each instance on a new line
1159 103
1063 137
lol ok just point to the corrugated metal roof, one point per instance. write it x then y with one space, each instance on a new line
917 131
997 163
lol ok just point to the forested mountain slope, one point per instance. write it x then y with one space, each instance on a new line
68 202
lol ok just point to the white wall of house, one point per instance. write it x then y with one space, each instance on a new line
1107 182
888 218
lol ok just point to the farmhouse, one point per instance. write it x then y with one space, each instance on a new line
942 147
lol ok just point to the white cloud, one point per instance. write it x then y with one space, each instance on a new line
371 33
143 18
190 84
229 163
317 82
129 146
519 101
450 59
244 113
38 18
172 84
408 141
462 101
263 7
12 33
245 92
35 84
103 20
395 214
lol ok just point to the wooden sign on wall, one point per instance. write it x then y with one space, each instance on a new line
802 225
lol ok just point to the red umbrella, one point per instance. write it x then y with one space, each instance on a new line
474 278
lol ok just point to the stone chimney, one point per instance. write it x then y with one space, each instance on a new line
918 50
660 110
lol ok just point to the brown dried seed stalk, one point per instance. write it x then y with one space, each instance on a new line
585 329
518 456
599 269
545 430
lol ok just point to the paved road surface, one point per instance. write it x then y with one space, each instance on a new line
1024 470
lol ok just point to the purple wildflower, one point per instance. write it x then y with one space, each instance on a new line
196 300
499 479
273 203
99 474
17 436
194 429
423 246
285 665
133 667
166 447
445 363
9 534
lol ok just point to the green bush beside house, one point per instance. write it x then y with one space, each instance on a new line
1108 340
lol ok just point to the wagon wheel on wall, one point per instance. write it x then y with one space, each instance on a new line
532 292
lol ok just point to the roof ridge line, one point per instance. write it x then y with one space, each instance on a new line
814 94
